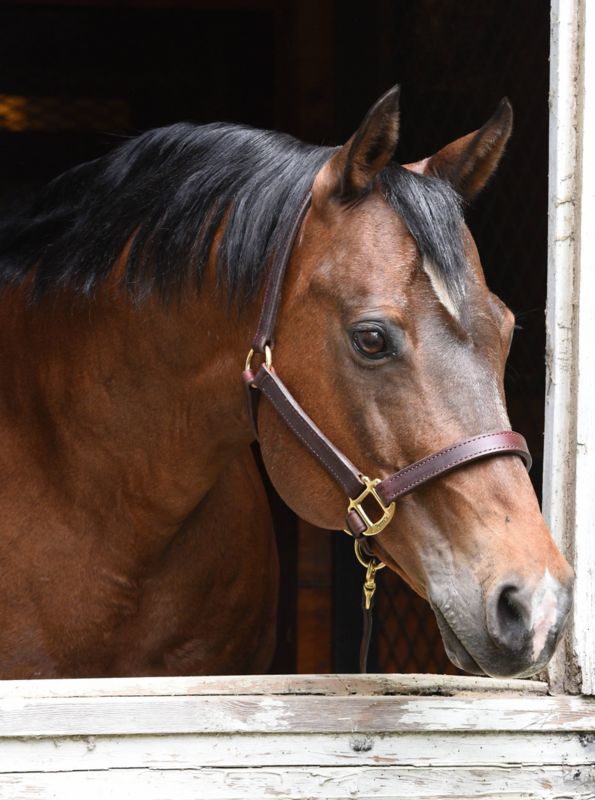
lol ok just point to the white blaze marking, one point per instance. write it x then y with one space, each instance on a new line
500 408
439 287
544 611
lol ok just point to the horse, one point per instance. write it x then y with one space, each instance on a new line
136 536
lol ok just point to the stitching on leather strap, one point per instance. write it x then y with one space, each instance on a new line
451 449
287 413
445 468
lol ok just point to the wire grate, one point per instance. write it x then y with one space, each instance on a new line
457 58
408 639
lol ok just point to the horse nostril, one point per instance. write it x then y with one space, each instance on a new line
509 617
510 611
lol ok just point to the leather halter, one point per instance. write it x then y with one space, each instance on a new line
354 483
360 522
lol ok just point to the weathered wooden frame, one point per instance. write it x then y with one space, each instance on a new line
569 457
309 737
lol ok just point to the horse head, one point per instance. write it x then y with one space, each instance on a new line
391 340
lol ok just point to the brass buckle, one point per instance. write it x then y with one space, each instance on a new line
356 504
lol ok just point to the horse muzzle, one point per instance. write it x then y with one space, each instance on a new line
512 632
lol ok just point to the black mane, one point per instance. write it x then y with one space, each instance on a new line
169 190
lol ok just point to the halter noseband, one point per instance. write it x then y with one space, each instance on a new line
381 494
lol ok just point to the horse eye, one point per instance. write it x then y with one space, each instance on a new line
370 342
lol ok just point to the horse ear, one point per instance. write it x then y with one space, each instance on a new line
352 169
469 162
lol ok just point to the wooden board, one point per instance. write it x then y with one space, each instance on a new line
238 751
367 783
328 685
301 737
283 714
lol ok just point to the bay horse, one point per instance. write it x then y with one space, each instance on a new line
135 534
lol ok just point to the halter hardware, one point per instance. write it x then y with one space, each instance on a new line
372 566
268 357
356 504
368 591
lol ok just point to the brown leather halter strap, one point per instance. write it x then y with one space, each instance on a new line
358 488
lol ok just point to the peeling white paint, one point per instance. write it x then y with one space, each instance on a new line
272 713
295 737
569 453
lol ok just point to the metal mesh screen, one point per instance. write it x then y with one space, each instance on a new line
456 59
408 636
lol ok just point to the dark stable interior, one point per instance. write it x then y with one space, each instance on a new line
76 76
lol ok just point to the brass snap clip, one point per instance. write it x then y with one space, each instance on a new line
372 566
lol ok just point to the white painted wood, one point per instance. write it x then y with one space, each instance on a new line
569 457
338 783
584 523
313 737
421 749
330 685
560 410
291 714
559 401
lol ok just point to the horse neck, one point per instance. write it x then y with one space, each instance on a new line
146 397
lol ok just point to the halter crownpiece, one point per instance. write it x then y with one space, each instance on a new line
378 495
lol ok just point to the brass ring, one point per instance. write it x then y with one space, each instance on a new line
249 360
366 564
268 357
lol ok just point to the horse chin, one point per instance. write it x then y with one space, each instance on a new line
456 651
495 668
